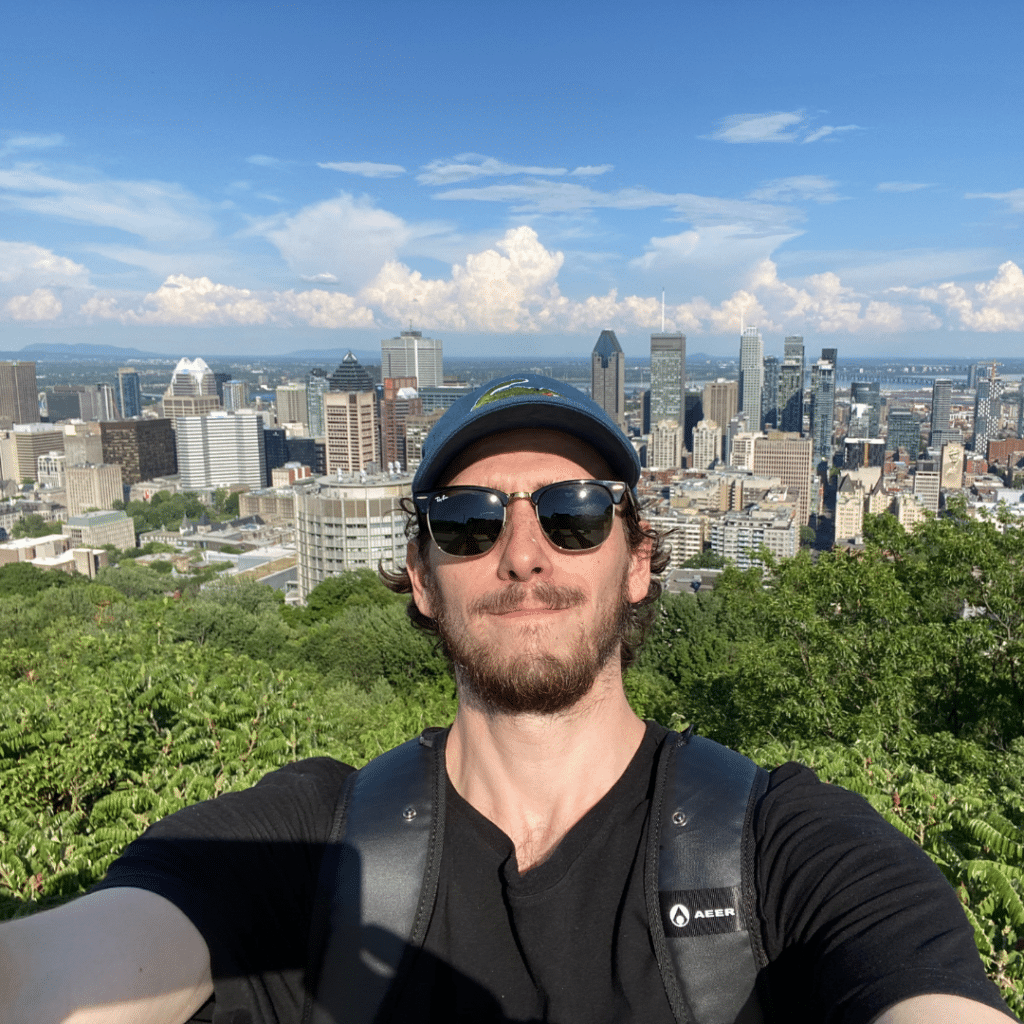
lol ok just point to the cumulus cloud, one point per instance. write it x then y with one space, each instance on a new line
800 186
42 304
508 288
346 237
592 171
366 169
994 305
199 302
468 166
777 126
156 210
1013 199
23 265
901 186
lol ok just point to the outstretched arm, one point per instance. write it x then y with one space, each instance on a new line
942 1009
117 956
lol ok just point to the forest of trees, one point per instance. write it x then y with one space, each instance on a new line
897 672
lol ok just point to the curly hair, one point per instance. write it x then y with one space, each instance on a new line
640 616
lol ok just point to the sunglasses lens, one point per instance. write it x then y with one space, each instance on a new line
576 516
465 522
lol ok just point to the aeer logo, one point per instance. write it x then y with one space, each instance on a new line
696 912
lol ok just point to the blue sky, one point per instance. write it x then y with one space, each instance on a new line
259 177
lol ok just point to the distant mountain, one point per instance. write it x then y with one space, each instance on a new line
76 353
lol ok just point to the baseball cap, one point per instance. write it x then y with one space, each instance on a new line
520 400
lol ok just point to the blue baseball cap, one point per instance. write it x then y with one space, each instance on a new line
524 400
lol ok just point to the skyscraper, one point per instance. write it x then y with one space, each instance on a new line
19 396
351 375
942 404
721 402
398 403
865 410
751 374
129 392
317 383
350 418
192 391
412 355
236 395
142 448
903 430
790 459
987 403
823 406
770 394
791 385
668 377
608 377
291 403
220 449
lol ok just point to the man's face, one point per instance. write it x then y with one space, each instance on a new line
529 626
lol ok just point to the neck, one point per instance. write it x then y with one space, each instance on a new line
536 775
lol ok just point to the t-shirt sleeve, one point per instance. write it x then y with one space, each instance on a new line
855 916
243 868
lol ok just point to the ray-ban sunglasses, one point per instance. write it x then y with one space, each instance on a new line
574 514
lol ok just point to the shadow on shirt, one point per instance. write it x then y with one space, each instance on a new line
267 952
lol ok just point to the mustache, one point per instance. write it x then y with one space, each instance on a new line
512 598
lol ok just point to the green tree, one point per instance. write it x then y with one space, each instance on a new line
34 525
707 559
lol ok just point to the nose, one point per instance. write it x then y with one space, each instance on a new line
525 550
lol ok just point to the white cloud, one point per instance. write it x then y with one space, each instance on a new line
156 210
1013 199
994 305
24 266
366 169
509 288
566 197
347 237
900 186
800 186
318 308
264 161
199 302
20 143
828 129
776 127
590 172
468 166
321 278
42 304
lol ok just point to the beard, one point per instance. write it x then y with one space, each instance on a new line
528 681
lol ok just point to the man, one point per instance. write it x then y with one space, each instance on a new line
530 562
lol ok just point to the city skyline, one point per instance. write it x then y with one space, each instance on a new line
279 183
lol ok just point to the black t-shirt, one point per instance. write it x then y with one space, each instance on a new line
854 916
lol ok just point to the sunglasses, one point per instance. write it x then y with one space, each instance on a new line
575 514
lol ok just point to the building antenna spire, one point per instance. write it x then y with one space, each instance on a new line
662 310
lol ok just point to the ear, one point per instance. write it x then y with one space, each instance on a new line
638 579
417 569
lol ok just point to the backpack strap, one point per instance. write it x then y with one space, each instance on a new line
378 882
698 881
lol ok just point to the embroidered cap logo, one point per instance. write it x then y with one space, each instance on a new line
512 389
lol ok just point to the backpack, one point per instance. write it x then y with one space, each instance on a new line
379 876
